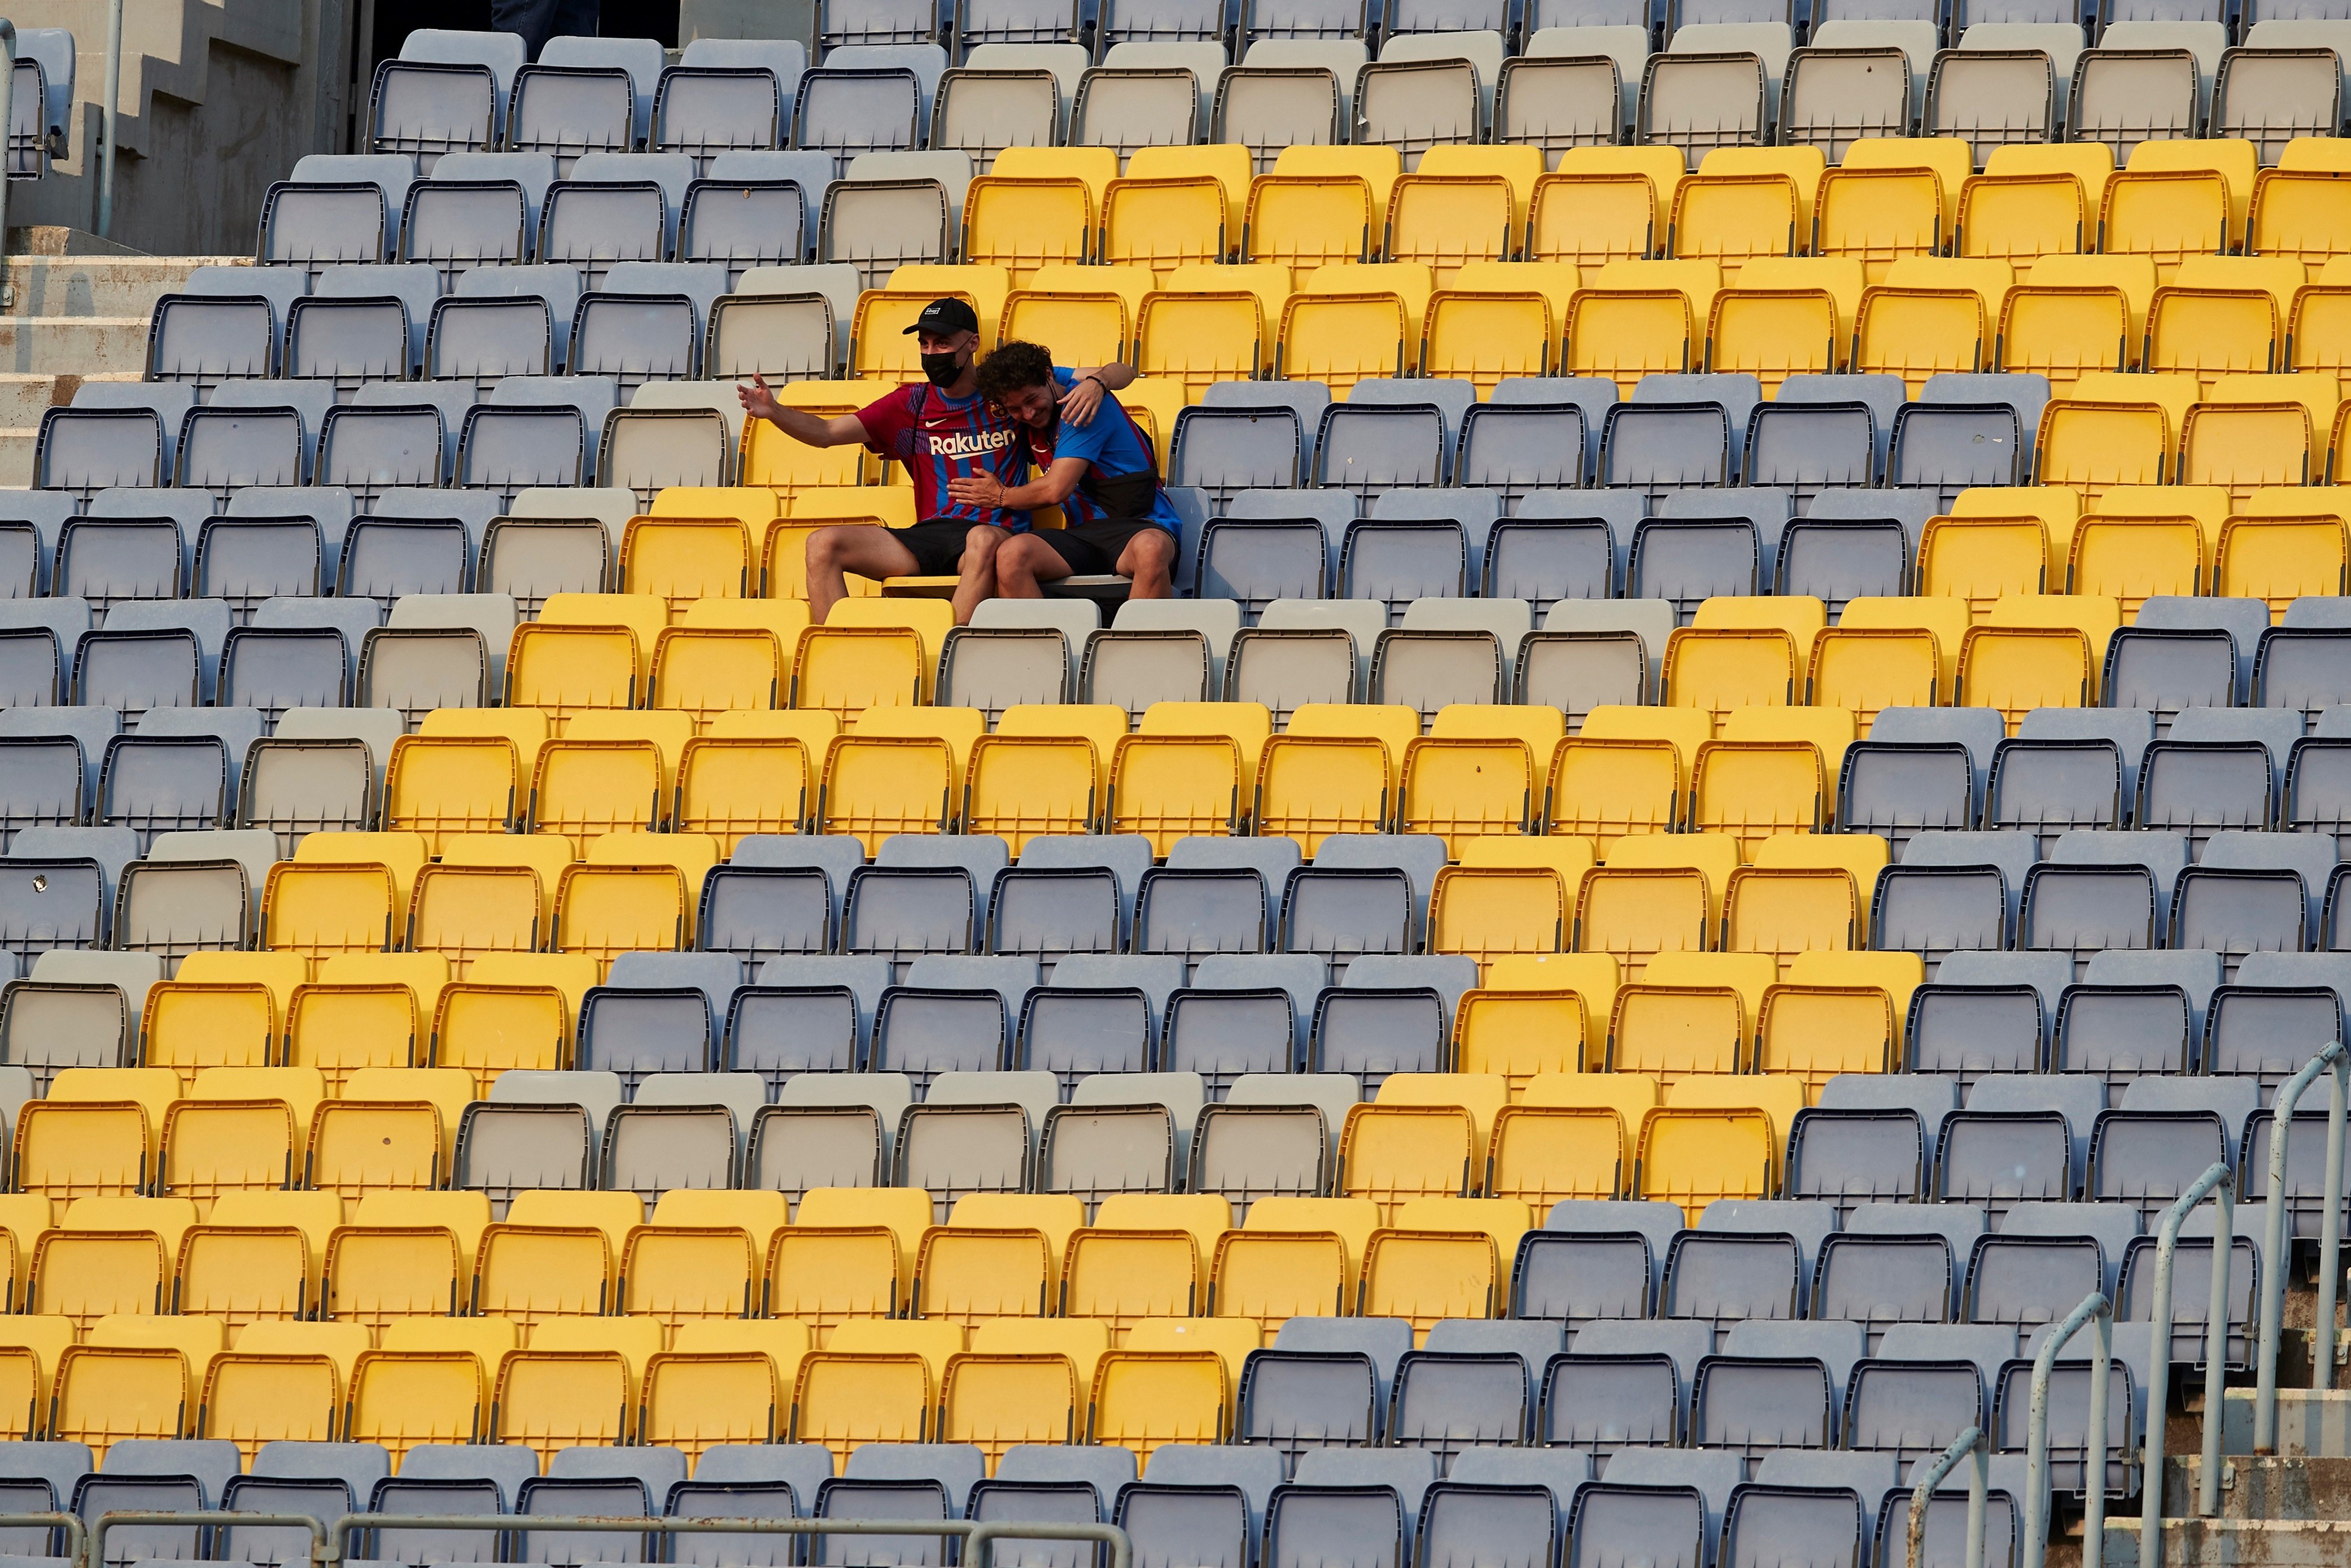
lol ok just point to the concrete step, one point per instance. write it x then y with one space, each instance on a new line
2236 1544
2269 1488
17 457
81 346
23 398
2315 1423
86 286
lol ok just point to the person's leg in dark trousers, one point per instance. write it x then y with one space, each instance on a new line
536 21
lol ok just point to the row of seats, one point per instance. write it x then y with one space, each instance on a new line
1236 1503
1312 78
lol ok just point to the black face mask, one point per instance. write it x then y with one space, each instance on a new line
942 369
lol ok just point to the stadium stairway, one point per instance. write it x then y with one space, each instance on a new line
71 318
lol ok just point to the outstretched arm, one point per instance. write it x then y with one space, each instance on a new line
840 430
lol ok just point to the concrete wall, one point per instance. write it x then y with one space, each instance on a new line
219 99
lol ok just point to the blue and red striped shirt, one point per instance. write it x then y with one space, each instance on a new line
939 438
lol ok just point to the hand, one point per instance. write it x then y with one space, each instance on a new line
979 490
758 402
1080 402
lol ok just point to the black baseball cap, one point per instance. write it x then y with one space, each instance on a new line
945 318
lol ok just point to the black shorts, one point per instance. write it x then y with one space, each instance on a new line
937 546
1094 548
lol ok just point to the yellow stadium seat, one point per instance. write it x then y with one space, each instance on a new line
844 670
679 1273
554 1255
1542 1154
680 559
1604 203
1315 783
29 1350
133 1378
1302 219
1293 1257
1486 913
1477 770
1777 1097
2299 549
320 911
1634 912
367 1010
1565 854
1752 789
1785 910
1891 197
1733 218
111 1256
487 1028
770 458
1814 1032
1023 222
997 1398
404 1254
1119 1274
1090 318
997 1258
2298 213
875 786
1347 322
604 911
491 892
190 1025
2259 431
1389 1153
1445 222
1023 785
1142 1399
1979 559
586 789
1166 211
696 1400
2018 669
1634 319
733 787
284 1382
1694 1157
1786 316
1426 1276
1606 787
2109 429
1481 1094
850 1253
1717 856
430 1382
2034 201
2072 314
2223 316
242 1132
585 651
1209 323
1184 774
1929 315
877 1382
1716 669
1520 1033
2168 214
256 1258
1496 321
548 1400
1671 1032
395 1128
1890 653
1625 1097
703 668
1099 725
95 1135
443 785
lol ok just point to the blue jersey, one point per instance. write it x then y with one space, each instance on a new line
1119 463
939 438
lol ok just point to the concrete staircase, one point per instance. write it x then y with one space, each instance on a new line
73 316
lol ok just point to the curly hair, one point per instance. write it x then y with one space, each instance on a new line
1012 366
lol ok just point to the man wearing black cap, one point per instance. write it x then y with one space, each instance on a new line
942 430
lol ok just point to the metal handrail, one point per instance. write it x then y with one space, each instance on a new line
8 122
2273 1248
77 1534
96 1552
1973 1441
2220 1185
2095 1310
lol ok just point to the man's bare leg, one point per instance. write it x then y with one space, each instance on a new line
976 573
1148 561
1022 562
866 549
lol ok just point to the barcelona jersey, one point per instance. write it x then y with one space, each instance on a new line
939 438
